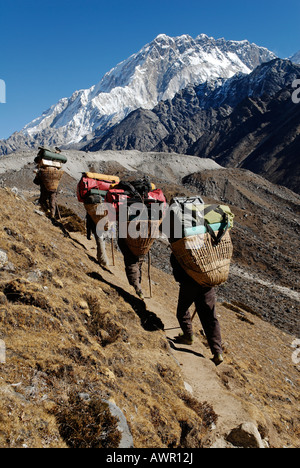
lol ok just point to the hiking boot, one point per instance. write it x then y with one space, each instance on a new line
184 339
140 294
218 359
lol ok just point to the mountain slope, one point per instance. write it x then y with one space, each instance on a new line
193 110
155 73
266 233
76 335
262 135
224 120
74 340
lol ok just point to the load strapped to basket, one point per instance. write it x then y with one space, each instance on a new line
200 239
47 157
92 189
49 164
139 208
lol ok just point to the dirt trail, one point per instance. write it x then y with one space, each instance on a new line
237 271
199 373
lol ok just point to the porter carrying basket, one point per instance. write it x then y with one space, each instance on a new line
202 245
51 177
139 230
205 261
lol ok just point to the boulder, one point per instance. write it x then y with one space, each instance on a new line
3 258
246 435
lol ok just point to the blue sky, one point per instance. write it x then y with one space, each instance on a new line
51 48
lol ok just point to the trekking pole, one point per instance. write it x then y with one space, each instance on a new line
64 230
58 212
149 273
194 314
113 250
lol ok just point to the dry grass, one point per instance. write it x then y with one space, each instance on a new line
68 333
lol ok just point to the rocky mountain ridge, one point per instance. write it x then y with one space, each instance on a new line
250 108
262 135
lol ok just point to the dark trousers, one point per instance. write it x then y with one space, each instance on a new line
133 265
48 200
205 302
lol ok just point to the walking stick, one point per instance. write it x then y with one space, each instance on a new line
113 250
64 230
58 212
149 273
194 314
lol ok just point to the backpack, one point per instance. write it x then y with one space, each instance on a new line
145 208
116 197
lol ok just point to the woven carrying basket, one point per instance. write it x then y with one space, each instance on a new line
206 263
51 177
148 231
92 211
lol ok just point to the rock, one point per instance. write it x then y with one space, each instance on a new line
3 298
39 212
108 373
58 284
83 305
9 267
246 435
188 387
127 439
34 276
3 258
2 352
84 396
221 444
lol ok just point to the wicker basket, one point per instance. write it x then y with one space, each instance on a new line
92 211
206 263
148 231
51 177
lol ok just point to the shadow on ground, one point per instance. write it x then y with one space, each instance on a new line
149 320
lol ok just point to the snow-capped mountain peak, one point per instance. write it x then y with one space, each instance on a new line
157 72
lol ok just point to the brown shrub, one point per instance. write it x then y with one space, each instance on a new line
87 424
